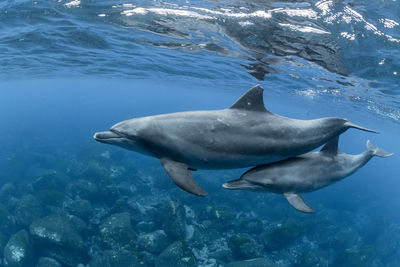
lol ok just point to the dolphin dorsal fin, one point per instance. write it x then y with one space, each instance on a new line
331 146
252 100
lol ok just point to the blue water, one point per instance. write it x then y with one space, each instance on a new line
72 68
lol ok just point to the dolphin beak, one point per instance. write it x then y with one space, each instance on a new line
105 137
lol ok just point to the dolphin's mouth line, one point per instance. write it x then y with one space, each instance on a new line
105 136
119 134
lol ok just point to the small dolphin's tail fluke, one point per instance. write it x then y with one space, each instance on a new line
378 151
352 125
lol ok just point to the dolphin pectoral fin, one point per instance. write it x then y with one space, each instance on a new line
352 125
297 202
181 176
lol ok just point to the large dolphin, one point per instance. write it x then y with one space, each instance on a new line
305 173
243 135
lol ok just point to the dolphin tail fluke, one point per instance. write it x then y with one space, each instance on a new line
236 184
181 176
352 125
378 151
297 202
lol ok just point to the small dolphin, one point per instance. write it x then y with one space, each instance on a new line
244 135
305 173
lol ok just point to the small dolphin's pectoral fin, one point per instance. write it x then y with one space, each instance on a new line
191 169
297 202
181 176
331 146
252 100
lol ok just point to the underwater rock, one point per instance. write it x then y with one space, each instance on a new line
221 217
79 224
220 250
51 181
92 170
126 189
83 189
312 258
7 226
51 197
6 191
124 204
361 257
108 192
147 259
56 237
210 234
12 203
249 225
116 231
388 243
48 262
27 210
177 254
79 207
257 262
118 258
154 242
281 235
244 246
145 227
172 216
19 250
342 238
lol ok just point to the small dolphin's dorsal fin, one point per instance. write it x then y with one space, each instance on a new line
331 146
181 176
297 202
252 100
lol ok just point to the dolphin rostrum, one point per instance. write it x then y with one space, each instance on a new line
243 135
305 173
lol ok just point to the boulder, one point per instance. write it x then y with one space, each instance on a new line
244 246
154 242
172 217
145 227
27 210
177 254
112 258
280 236
257 262
19 250
7 226
83 189
48 262
355 257
116 231
6 191
79 207
51 197
51 181
56 237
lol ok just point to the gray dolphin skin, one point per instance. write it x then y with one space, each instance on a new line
243 135
305 173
